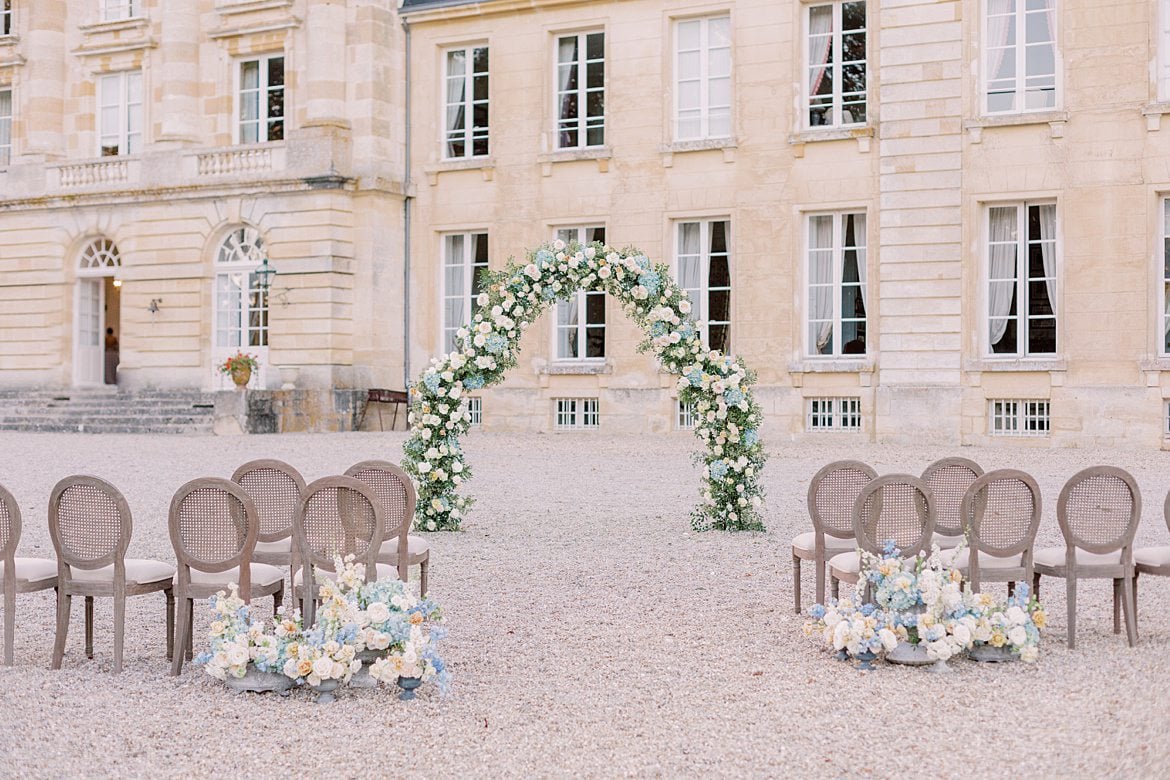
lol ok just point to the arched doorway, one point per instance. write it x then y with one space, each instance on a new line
97 315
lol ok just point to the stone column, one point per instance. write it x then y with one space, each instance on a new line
323 67
44 79
179 76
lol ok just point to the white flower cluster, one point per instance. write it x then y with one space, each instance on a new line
511 301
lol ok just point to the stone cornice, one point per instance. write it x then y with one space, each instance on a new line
484 8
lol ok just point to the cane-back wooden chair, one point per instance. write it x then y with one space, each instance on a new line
948 480
397 496
1154 561
1098 511
214 525
1002 510
336 516
275 487
17 575
90 525
895 507
831 496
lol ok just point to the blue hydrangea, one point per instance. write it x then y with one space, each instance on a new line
496 343
473 382
750 438
548 293
687 331
695 377
642 262
890 548
432 382
867 609
651 281
732 396
816 612
544 257
658 329
718 469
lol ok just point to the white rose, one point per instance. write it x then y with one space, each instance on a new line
1015 616
1017 635
432 454
322 667
457 467
237 655
889 639
423 467
482 299
684 306
962 635
603 272
378 612
558 245
531 271
290 668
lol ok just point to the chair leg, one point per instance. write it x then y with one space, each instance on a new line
64 602
1128 603
834 586
1070 584
1135 601
820 567
1011 588
1036 586
89 627
191 632
119 629
170 594
796 583
278 601
1117 606
424 576
9 624
180 639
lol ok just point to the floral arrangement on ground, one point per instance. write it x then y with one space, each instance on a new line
919 609
717 385
378 627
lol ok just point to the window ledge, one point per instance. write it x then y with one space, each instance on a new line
726 145
116 25
229 7
1153 114
1017 365
861 133
860 365
602 154
9 40
1155 363
486 165
575 368
1055 120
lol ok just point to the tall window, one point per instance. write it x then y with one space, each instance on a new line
262 100
113 10
836 64
1164 50
1021 290
1019 44
581 321
241 304
5 17
704 271
467 102
5 126
1165 263
836 284
702 78
465 261
580 90
120 113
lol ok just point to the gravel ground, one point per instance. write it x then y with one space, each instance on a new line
592 633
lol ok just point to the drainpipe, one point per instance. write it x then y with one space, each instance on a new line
406 198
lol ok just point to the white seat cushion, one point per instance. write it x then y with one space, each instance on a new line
986 561
806 542
279 546
415 546
1053 558
385 570
138 570
32 570
846 562
262 576
1153 557
945 542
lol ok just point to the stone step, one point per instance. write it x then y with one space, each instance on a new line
136 428
107 410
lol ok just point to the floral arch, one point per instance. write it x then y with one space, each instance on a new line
717 385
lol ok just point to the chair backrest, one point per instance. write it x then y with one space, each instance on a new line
275 487
895 507
1166 510
1099 509
89 522
338 516
948 480
1002 509
831 495
9 536
213 525
394 491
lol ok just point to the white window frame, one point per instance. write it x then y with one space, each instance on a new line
583 122
1166 418
837 282
470 132
1163 48
705 107
7 22
833 413
578 233
6 126
129 142
685 415
243 247
1029 417
470 267
1163 328
576 414
475 411
1023 302
1020 54
263 88
837 52
117 10
701 303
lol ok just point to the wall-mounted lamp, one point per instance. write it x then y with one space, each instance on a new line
265 272
117 282
153 307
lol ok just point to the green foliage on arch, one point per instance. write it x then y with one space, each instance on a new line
728 417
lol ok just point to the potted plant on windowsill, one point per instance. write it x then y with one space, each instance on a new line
240 367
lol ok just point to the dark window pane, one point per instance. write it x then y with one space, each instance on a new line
479 87
596 234
718 337
853 78
851 303
480 114
595 309
719 309
567 77
1042 336
569 106
853 47
595 136
595 342
596 104
276 72
595 46
718 237
1038 302
110 151
455 148
568 138
276 103
479 248
853 16
481 60
719 276
1008 342
480 147
276 130
595 75
853 338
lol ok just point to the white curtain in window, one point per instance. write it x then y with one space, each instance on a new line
568 63
860 241
690 266
1048 249
821 269
1002 265
820 43
456 89
1000 20
567 328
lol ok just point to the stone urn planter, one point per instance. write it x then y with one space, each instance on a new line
408 686
288 377
241 376
361 678
325 690
909 654
989 654
257 681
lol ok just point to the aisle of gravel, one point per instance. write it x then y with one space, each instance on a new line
592 633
